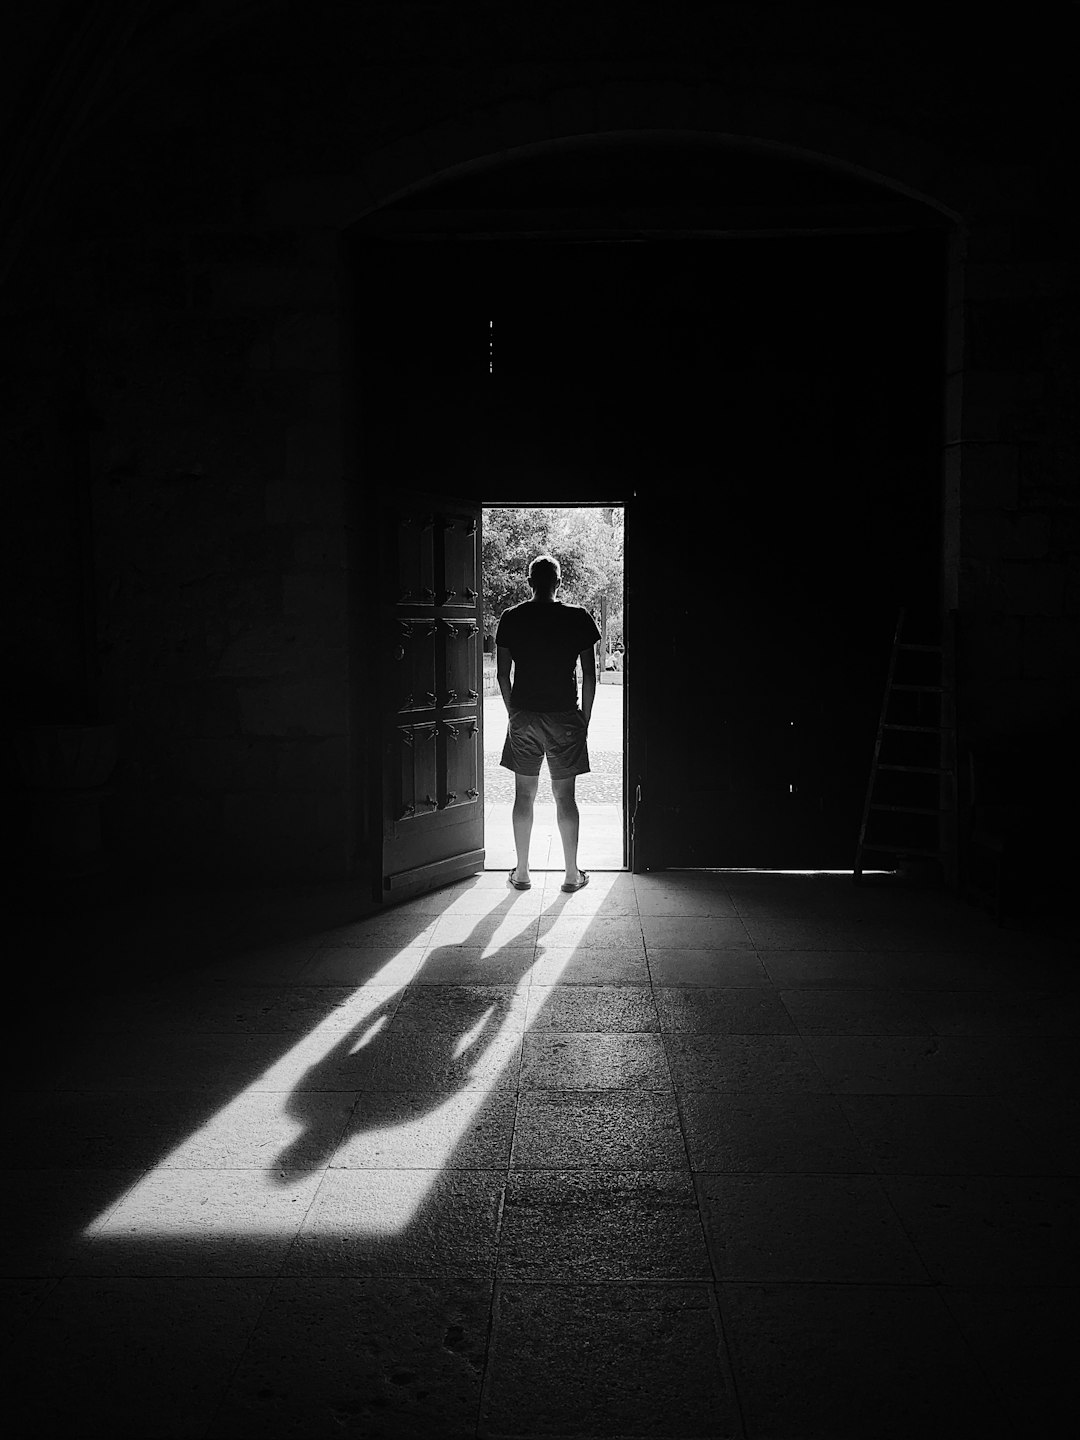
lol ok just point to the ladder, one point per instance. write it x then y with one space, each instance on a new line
910 807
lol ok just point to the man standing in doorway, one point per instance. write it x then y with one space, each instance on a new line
545 639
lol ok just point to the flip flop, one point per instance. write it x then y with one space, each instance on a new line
517 884
569 889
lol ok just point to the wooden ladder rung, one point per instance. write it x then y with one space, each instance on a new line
917 769
922 689
919 729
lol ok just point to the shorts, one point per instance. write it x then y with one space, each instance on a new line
558 735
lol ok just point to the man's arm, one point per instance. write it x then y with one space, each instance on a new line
588 681
503 658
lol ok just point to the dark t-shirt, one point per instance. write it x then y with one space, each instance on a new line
545 638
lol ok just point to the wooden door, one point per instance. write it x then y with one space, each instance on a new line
433 771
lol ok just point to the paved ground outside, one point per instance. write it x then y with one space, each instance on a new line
600 793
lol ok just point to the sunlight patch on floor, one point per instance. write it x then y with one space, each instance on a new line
245 1171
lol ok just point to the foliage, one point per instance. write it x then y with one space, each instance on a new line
588 544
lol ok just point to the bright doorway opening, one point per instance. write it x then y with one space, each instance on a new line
588 542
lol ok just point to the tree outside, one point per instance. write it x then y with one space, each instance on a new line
588 543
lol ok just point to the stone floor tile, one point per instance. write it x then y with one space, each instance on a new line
605 1129
440 1059
694 932
827 969
1025 1341
851 1362
837 1228
748 1064
165 1062
473 965
777 904
803 934
516 930
589 908
446 899
47 1216
991 1230
687 882
589 965
266 1130
20 1296
264 965
222 1009
942 969
488 899
705 967
687 904
607 1360
595 932
594 1225
1053 1120
400 1223
611 874
124 1357
328 1057
469 1128
127 1129
854 1012
167 1001
390 965
559 1060
999 1012
201 1222
915 934
364 1357
722 1010
778 1133
377 932
946 1135
941 1064
606 893
592 1008
461 1008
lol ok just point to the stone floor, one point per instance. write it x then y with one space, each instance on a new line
677 1156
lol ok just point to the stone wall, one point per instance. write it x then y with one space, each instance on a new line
214 437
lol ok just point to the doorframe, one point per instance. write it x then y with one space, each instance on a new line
628 508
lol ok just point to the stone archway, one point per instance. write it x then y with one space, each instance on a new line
765 120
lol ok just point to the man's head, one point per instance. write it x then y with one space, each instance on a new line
544 576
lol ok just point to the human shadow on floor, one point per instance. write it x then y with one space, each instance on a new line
411 1054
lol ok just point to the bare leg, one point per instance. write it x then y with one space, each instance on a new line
524 795
569 822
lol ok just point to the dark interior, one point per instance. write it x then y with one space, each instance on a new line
317 1127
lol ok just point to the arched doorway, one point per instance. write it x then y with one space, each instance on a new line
748 348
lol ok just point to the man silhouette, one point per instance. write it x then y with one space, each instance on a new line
544 639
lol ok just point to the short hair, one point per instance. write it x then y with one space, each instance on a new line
544 572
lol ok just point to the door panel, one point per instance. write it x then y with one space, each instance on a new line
461 663
433 813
